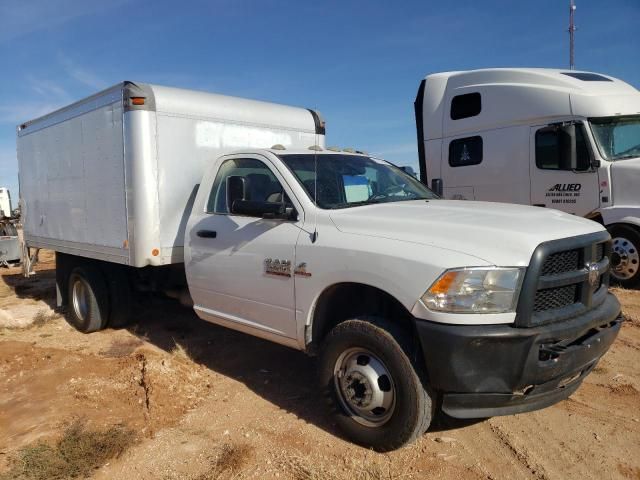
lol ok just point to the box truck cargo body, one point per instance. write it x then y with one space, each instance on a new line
113 176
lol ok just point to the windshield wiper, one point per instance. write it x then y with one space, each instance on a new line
355 204
372 201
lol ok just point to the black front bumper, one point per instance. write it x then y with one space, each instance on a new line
489 370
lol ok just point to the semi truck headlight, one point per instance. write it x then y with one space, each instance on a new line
475 290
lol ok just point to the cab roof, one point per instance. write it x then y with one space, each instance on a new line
570 80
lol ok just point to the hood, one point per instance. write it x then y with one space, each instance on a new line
497 233
625 178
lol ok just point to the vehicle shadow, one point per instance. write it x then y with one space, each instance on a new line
281 375
39 287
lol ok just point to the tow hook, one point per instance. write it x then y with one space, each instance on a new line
551 352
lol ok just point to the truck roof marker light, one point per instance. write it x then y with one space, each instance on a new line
316 148
137 100
334 149
349 150
278 146
444 283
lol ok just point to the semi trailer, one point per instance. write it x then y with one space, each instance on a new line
412 303
561 139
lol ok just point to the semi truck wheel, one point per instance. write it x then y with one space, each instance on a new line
88 306
376 394
625 257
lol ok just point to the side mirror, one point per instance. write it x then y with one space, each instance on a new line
437 187
262 209
569 160
236 190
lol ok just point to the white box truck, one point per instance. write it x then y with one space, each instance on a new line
562 139
411 302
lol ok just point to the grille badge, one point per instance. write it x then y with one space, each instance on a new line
594 273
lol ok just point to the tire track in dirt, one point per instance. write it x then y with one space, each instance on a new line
520 454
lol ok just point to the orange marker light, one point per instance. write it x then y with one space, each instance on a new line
445 282
137 100
155 252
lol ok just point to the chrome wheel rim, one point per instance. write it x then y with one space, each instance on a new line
80 299
365 387
628 258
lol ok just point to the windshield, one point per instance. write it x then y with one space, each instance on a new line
617 137
350 180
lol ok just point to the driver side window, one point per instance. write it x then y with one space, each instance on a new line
261 184
550 154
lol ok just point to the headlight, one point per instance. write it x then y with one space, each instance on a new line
475 290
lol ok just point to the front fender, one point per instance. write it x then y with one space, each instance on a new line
403 270
629 215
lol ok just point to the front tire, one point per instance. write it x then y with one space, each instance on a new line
88 307
625 268
378 397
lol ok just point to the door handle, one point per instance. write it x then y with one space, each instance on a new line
207 233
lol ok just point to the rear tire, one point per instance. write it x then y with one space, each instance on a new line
377 395
88 306
625 269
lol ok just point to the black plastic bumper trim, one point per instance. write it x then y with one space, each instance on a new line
502 368
485 405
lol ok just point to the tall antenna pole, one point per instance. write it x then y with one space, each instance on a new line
572 31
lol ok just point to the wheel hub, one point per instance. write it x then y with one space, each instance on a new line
625 258
364 387
357 389
80 298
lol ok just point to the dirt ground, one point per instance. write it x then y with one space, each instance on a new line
194 392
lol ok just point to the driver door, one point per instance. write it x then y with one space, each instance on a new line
554 183
230 257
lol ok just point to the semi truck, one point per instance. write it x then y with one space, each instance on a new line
412 304
562 139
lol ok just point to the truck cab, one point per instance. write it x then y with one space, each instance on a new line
559 139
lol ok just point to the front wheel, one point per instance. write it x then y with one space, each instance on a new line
625 259
376 394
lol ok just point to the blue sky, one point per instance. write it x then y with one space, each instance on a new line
358 62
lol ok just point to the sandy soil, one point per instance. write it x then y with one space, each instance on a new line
191 390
